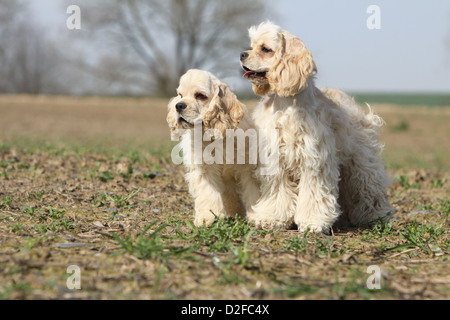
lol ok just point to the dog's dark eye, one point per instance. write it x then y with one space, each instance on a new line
266 50
181 96
201 97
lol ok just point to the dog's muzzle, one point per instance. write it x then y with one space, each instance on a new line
251 74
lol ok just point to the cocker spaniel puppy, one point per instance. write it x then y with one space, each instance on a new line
206 114
330 168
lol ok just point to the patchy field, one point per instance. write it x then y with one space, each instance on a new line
89 182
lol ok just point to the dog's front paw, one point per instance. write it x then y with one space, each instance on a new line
266 223
325 229
204 219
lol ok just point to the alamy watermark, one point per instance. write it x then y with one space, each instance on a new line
373 22
199 146
373 282
73 282
73 22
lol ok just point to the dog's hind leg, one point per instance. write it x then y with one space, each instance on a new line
364 190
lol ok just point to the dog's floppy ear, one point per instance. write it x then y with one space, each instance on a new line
261 89
172 121
293 67
225 110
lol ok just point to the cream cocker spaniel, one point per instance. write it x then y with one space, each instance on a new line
330 168
203 113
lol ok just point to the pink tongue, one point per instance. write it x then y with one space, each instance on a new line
247 74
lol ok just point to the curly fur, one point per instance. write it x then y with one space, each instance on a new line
331 170
219 190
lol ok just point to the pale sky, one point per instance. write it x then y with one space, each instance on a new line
410 53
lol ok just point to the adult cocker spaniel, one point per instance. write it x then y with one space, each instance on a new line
206 115
330 168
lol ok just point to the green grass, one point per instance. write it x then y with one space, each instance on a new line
111 199
294 289
151 246
38 195
297 243
407 99
135 152
224 236
45 219
444 207
230 254
20 286
31 243
378 232
404 182
221 236
430 238
5 202
401 126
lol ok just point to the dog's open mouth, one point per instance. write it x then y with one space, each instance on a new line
250 74
184 123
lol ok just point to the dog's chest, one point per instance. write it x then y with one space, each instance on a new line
295 133
290 123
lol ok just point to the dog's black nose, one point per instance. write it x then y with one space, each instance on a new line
244 55
180 106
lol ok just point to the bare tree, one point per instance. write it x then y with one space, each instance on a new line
160 39
10 13
29 62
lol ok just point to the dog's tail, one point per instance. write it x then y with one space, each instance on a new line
372 120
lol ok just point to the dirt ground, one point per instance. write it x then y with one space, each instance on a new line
88 182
